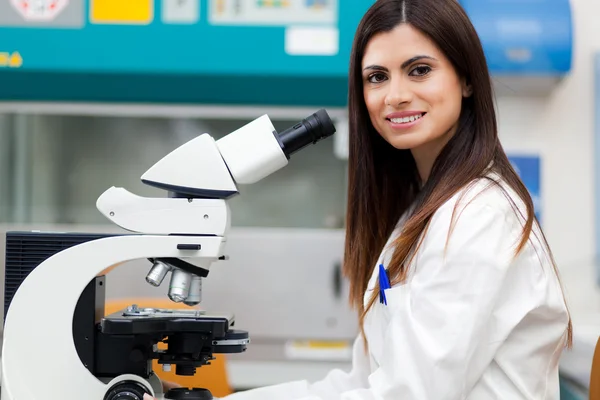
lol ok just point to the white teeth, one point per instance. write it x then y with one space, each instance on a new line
405 120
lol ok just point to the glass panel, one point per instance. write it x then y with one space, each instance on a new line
59 165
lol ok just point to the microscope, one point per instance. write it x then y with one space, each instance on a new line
57 341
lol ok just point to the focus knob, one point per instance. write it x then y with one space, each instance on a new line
127 391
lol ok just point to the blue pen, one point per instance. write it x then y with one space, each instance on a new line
384 283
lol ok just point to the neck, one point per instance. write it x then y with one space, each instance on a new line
426 154
424 164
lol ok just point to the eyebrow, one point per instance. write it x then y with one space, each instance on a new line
404 64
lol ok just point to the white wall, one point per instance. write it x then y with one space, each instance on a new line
561 129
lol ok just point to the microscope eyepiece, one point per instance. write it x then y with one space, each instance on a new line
310 130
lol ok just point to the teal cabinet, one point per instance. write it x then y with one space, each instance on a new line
279 52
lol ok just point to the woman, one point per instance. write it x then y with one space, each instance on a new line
475 309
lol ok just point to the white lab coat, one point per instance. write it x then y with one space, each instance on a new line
472 322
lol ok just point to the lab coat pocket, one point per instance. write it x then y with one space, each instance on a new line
378 324
396 298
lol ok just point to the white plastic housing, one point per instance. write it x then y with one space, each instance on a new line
252 152
164 215
57 284
195 165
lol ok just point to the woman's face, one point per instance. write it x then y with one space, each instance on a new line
411 90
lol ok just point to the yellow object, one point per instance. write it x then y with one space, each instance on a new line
4 59
16 60
212 377
122 12
595 374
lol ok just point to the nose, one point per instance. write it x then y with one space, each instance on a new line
398 93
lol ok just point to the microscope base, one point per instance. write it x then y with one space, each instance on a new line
189 394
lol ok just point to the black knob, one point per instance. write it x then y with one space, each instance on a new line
137 356
188 394
127 390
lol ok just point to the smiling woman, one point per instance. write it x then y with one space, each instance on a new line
439 227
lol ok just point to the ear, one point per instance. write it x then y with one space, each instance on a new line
467 88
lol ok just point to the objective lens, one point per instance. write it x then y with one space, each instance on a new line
195 295
312 129
157 273
179 288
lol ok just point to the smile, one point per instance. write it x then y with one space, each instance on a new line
406 120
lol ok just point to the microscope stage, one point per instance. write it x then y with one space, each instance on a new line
135 320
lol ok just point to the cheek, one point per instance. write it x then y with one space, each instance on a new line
374 103
445 97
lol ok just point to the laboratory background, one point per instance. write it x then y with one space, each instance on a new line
95 92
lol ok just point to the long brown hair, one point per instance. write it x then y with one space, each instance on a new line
384 181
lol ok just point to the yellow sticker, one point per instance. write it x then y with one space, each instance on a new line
4 59
122 12
16 60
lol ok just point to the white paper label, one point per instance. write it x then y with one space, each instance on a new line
180 11
273 12
39 10
314 41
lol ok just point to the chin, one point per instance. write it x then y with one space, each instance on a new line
405 141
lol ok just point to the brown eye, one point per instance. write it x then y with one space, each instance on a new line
420 70
377 77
